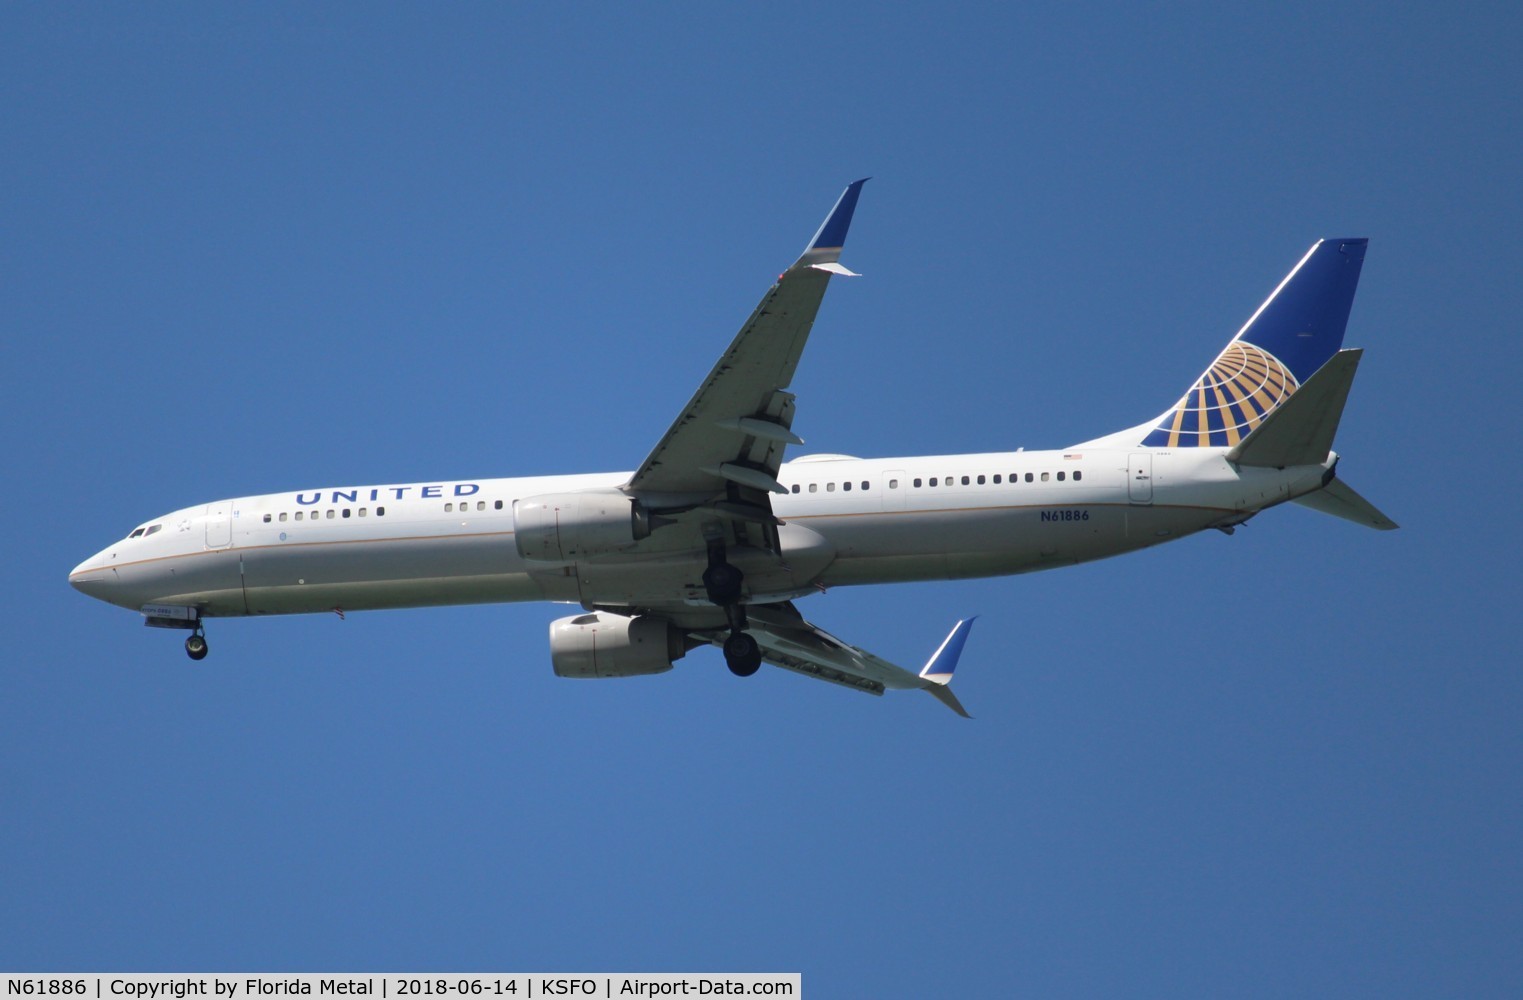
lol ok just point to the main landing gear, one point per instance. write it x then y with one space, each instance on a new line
721 582
742 654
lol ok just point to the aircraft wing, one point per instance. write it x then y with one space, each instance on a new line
790 642
737 424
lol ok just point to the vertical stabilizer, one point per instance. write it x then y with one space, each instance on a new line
1292 335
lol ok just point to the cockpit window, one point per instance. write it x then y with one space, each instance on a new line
137 533
151 529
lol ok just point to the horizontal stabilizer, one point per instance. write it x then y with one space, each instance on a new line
1340 500
1301 430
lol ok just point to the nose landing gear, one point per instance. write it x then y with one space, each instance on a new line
195 644
179 616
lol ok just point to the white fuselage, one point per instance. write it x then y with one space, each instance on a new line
846 521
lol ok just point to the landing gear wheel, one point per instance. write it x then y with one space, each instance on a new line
742 654
722 581
195 647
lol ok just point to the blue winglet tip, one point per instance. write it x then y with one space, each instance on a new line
944 661
832 232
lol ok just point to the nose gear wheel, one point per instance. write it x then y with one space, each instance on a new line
195 645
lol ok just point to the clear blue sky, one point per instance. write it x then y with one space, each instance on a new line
250 249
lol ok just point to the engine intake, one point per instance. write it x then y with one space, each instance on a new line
561 527
601 644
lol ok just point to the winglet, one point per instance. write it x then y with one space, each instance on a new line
938 670
824 250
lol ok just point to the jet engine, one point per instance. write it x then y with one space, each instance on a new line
601 644
561 527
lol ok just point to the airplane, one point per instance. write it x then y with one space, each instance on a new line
714 536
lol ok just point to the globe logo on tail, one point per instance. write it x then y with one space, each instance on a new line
1233 397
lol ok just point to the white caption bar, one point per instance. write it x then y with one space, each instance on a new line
406 986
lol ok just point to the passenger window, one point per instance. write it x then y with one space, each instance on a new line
893 484
996 479
814 487
980 480
481 505
830 487
1028 477
498 504
846 486
1061 476
282 517
364 511
346 511
965 480
380 512
1044 477
298 515
1078 475
864 484
933 480
450 507
267 519
330 515
917 484
795 487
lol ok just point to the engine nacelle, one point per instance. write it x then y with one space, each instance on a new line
601 644
561 527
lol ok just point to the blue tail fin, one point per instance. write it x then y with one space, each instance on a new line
1294 333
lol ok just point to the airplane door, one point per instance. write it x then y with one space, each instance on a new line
219 526
1139 478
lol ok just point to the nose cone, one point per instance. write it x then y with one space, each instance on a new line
93 577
